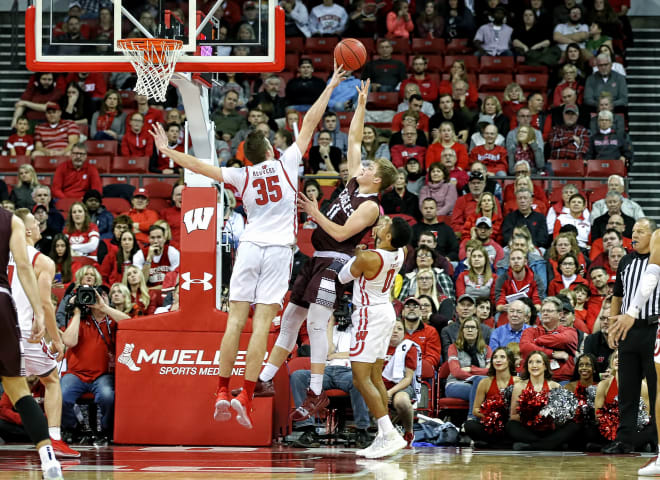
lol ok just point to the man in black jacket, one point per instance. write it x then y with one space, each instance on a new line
534 221
302 91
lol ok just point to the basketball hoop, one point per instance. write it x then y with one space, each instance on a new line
154 60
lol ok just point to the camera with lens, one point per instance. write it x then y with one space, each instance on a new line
83 297
343 312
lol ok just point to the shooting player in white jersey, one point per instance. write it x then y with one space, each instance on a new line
373 273
269 190
41 359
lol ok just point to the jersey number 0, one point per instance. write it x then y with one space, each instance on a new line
268 190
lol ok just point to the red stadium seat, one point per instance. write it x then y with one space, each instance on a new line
499 94
428 45
605 168
345 118
159 204
101 162
84 130
458 46
101 147
159 189
137 165
596 194
45 163
496 64
111 180
291 62
522 68
596 186
494 81
383 100
435 63
369 45
44 180
534 82
446 403
116 205
567 168
10 180
556 184
399 45
63 204
305 241
294 44
10 163
320 44
471 63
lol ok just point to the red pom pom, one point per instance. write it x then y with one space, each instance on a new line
530 403
495 413
608 420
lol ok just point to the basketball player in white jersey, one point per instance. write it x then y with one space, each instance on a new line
40 358
265 252
373 273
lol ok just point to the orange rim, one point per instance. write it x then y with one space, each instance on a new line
150 46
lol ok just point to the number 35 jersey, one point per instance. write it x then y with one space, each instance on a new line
269 193
376 290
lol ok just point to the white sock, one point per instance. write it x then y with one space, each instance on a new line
316 383
54 433
46 454
384 425
268 372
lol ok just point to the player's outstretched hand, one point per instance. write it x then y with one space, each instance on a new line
363 92
38 328
338 76
160 139
310 207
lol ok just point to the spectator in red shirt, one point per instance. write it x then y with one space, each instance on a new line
409 149
459 72
557 342
459 178
423 335
56 136
151 114
21 143
108 123
73 178
82 233
415 103
518 281
427 86
117 260
447 139
494 157
143 217
40 91
137 142
466 204
469 355
172 215
93 84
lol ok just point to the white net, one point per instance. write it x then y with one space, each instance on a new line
154 61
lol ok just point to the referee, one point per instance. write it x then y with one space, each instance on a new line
634 336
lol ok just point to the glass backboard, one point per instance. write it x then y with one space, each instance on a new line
218 35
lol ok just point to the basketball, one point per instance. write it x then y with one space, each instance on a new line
350 53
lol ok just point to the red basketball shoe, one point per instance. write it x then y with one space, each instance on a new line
62 450
243 408
222 410
313 405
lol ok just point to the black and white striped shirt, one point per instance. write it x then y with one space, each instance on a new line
628 277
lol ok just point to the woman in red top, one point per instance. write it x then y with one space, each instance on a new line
459 72
522 427
512 101
568 277
569 75
563 244
585 375
60 253
447 139
398 21
501 374
116 261
109 122
467 356
486 207
137 141
146 301
83 235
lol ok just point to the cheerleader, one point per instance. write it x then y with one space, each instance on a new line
491 407
585 375
527 429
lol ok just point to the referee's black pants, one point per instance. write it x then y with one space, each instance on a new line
635 363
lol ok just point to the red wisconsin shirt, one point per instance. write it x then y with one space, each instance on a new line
23 144
495 160
71 183
137 144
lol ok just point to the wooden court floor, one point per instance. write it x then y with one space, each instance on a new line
19 462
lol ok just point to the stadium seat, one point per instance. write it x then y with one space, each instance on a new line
494 81
567 168
471 63
10 180
522 68
496 64
499 94
459 46
84 131
101 147
443 403
115 205
43 180
326 191
605 168
159 204
435 63
345 118
294 44
101 162
137 165
320 44
428 45
322 63
45 163
383 100
113 179
369 45
596 186
10 163
597 193
127 99
532 82
291 62
556 184
159 189
64 204
399 45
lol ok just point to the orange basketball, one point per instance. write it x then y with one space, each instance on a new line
350 53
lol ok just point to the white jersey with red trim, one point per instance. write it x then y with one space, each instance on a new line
376 290
269 191
23 306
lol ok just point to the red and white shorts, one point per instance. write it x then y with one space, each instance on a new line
38 359
371 331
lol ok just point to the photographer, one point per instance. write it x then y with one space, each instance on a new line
87 275
90 338
157 259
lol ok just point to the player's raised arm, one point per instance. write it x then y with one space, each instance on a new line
365 262
183 159
26 276
354 154
315 113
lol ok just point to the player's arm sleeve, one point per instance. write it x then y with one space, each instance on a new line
291 159
234 176
345 275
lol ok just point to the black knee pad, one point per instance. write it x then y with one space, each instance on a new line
33 419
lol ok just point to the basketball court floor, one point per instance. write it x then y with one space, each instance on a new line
280 462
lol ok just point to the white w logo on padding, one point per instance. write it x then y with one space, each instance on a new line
198 219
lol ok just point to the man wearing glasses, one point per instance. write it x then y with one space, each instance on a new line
559 343
73 178
408 149
423 335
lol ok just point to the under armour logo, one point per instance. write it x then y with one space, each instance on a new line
206 281
126 359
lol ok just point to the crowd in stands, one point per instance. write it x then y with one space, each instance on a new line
488 254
